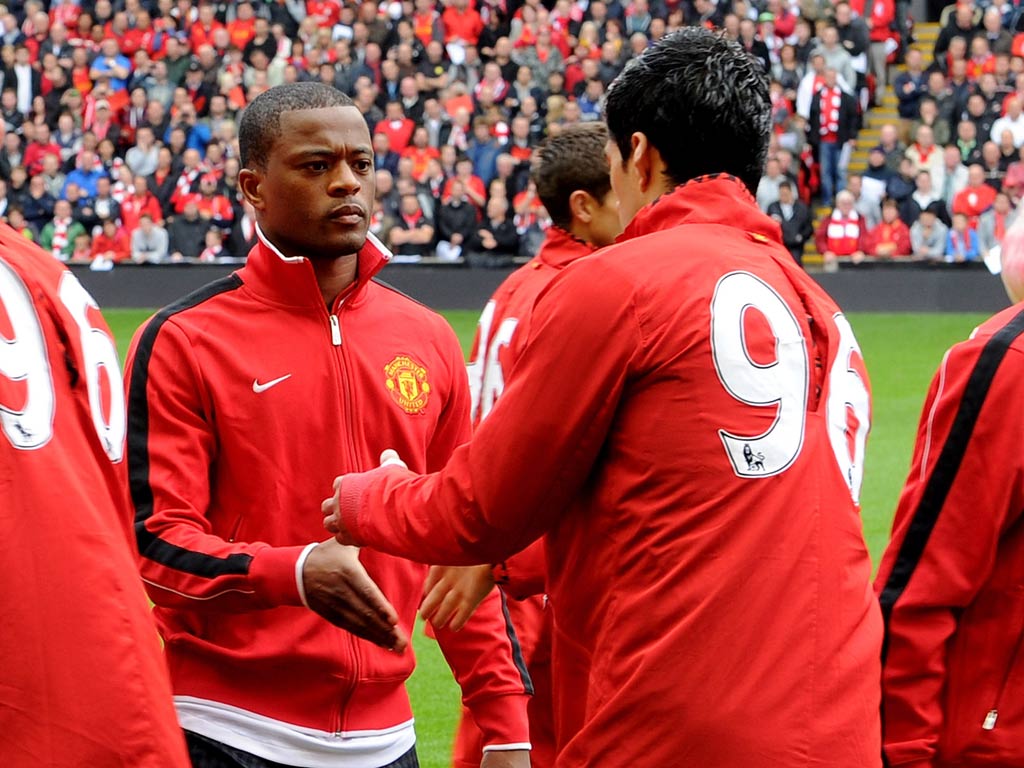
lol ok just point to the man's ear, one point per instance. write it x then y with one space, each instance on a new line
641 159
581 206
251 184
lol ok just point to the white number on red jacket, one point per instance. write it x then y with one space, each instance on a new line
486 378
27 424
23 357
782 385
848 409
100 367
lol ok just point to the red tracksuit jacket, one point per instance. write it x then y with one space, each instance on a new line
245 400
82 678
686 423
952 580
501 335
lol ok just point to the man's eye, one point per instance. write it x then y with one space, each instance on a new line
362 165
319 166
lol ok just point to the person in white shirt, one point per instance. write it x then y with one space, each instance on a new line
1012 121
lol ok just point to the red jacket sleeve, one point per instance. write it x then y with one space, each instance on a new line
957 557
497 495
171 445
486 662
525 574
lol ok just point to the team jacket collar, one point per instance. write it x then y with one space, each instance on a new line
717 198
290 280
561 248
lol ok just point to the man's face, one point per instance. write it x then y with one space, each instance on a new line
625 185
315 196
605 225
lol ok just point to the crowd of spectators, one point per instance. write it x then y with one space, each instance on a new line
119 117
944 181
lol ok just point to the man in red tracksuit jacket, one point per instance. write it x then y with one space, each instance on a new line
243 399
686 424
950 580
571 176
82 679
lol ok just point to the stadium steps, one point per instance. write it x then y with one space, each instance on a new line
925 36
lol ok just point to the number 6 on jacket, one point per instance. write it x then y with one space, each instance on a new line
783 384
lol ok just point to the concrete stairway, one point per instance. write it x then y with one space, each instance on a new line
924 40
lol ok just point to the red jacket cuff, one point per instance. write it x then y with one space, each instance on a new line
502 719
273 575
352 488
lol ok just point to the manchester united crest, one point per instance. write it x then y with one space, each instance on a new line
407 383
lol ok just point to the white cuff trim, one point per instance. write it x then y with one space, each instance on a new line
299 565
507 747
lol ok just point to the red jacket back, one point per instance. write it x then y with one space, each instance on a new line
82 675
686 424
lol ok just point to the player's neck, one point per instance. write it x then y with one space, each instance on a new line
334 276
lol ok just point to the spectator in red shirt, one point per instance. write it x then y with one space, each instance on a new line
211 204
462 24
976 198
891 237
111 243
40 146
141 202
472 185
397 126
203 30
243 28
421 152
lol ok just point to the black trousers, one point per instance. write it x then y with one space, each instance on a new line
207 753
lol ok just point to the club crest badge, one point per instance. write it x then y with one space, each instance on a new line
406 381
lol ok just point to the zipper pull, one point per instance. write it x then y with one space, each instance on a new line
335 331
990 720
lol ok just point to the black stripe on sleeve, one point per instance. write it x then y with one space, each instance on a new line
517 651
948 464
152 546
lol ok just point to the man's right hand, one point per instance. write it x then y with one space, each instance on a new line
338 588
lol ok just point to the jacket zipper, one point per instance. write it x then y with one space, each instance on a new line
992 715
336 341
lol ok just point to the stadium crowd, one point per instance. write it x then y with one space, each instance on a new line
119 118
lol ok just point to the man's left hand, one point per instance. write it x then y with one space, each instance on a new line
331 507
513 758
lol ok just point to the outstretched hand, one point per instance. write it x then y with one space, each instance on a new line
452 593
340 590
332 507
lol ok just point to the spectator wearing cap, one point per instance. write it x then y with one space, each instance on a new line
113 64
928 234
102 124
891 237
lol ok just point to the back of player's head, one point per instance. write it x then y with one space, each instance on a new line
573 160
702 102
260 126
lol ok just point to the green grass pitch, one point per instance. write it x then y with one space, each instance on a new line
901 351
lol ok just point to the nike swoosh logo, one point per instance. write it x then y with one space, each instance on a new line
257 387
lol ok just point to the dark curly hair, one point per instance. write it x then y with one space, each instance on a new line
702 102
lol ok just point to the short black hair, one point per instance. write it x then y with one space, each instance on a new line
702 102
572 160
260 126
